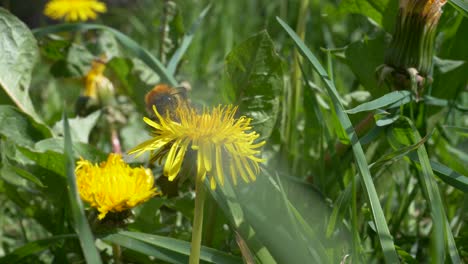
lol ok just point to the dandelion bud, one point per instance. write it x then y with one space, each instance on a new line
412 46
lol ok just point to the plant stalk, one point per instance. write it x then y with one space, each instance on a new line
197 226
117 253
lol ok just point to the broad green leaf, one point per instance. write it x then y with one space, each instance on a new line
383 232
254 70
76 63
449 73
85 151
394 99
19 173
80 127
32 248
371 51
129 45
20 128
80 222
226 199
382 12
186 40
170 249
18 54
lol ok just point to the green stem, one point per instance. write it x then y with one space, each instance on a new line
197 223
116 253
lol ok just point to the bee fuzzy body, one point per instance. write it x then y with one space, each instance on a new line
166 99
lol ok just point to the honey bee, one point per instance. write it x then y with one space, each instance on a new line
166 99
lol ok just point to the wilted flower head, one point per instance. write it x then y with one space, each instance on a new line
428 10
74 10
113 186
408 59
413 41
219 141
96 84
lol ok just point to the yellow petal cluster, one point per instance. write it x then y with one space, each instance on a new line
113 186
95 81
221 143
74 10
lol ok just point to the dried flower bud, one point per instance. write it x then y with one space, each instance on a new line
412 46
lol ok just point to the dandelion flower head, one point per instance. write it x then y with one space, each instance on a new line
95 81
221 143
113 186
74 10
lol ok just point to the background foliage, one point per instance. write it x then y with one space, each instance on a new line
348 176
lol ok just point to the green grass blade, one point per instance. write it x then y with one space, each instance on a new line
32 248
460 5
80 222
383 232
186 40
127 42
441 227
447 175
395 99
170 249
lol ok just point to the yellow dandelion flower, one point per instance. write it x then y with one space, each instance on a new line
74 10
221 143
113 186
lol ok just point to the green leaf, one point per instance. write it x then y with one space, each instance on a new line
80 127
185 43
254 69
460 5
371 51
462 131
20 128
448 175
382 12
393 99
230 204
85 151
383 232
127 43
168 249
80 223
32 248
76 64
18 55
405 133
24 174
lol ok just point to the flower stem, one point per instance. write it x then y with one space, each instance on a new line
117 253
197 223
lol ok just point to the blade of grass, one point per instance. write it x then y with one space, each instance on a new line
441 226
395 99
127 42
186 40
80 222
176 247
461 6
383 232
446 174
